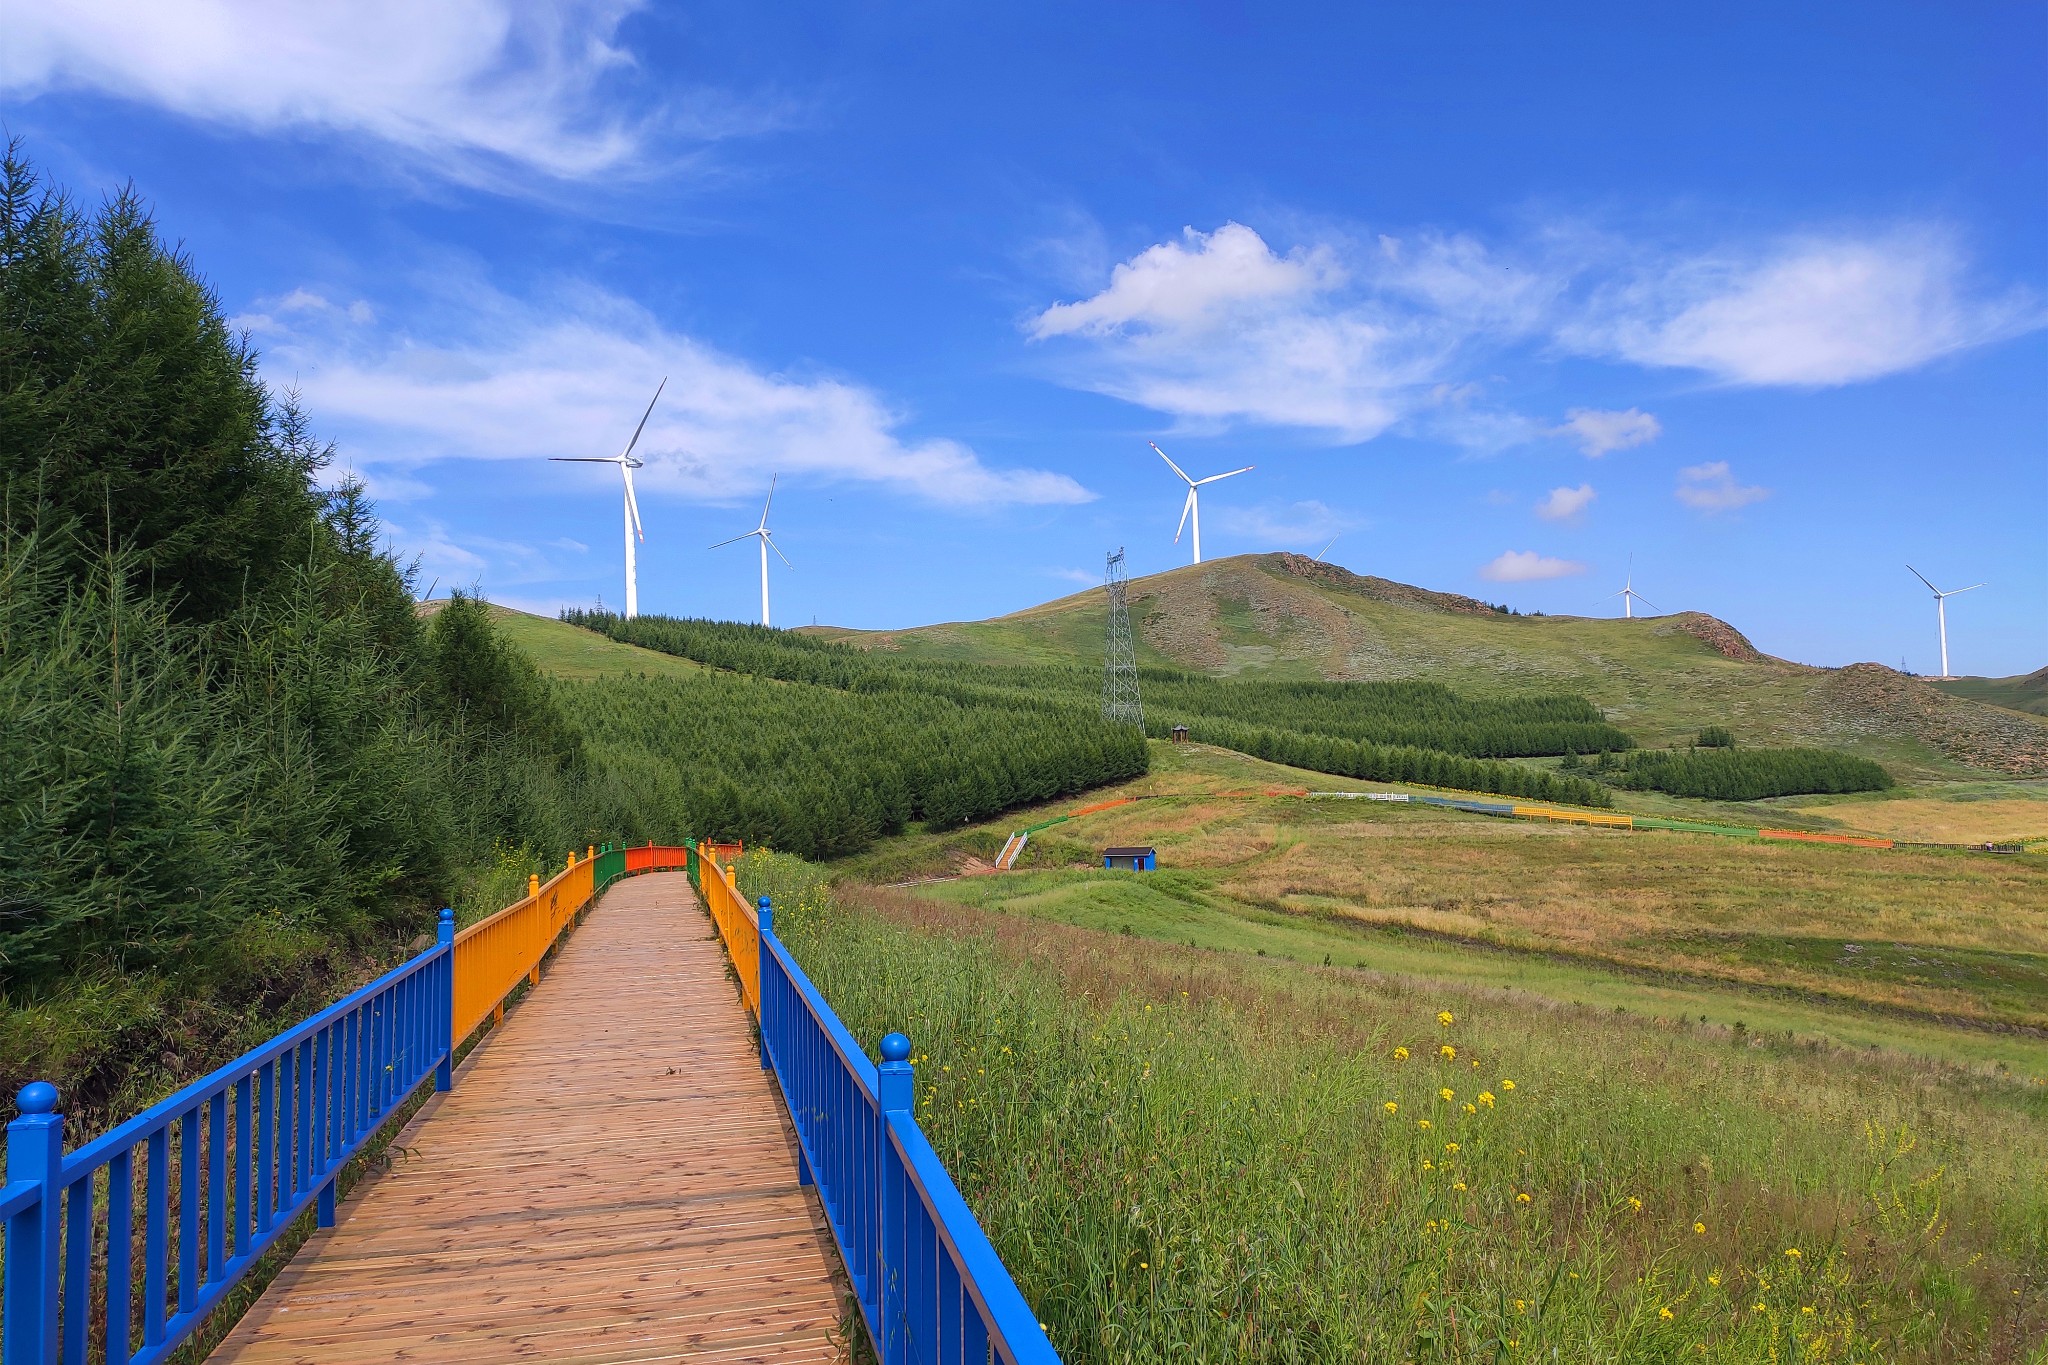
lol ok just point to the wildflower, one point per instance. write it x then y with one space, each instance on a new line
1664 1313
1471 1108
1486 1098
1792 1253
1460 1188
1700 1228
1400 1054
1422 1123
1392 1108
1635 1205
1521 1198
1444 1017
1428 1165
1806 1309
1761 1309
1507 1085
1447 1096
1449 1053
1144 1265
1714 1280
1521 1305
1451 1147
1430 1226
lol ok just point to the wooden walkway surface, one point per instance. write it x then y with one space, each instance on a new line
611 1179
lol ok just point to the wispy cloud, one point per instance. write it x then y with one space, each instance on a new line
571 375
1295 523
483 91
1347 339
1527 566
1712 488
1565 504
1598 432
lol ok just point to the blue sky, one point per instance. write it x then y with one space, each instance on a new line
1498 297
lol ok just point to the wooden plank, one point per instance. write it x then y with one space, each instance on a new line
612 1180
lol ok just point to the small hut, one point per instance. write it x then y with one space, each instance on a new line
1130 859
1180 734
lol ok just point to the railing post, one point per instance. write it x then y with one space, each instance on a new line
764 918
35 1153
895 1093
444 1072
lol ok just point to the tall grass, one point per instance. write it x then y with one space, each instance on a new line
1196 1156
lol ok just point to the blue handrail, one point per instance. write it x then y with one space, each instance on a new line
257 1142
930 1286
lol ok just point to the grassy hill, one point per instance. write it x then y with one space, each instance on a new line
1660 678
2025 692
561 650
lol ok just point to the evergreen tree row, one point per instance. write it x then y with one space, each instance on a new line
1721 774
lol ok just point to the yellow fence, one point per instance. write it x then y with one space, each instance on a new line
735 921
1576 817
493 956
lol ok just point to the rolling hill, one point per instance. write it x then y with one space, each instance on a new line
2026 692
1660 678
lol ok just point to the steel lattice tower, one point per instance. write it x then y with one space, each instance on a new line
1120 660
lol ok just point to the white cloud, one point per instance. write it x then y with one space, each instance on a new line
1564 504
1348 340
1526 566
1807 312
1295 523
572 376
473 88
1712 488
1599 432
1081 576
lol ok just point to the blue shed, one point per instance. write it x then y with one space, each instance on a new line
1130 859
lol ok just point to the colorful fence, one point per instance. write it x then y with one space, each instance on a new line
119 1250
735 921
930 1286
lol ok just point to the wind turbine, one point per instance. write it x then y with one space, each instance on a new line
1326 549
767 538
1628 594
627 464
1193 507
1941 610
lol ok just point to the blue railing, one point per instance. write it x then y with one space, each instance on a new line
931 1288
224 1166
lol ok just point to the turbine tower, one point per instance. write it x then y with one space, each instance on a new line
767 539
1192 508
1941 611
1628 594
627 464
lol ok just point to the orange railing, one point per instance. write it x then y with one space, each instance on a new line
735 920
495 956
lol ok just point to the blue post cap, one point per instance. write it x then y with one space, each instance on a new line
895 1047
763 903
446 914
40 1097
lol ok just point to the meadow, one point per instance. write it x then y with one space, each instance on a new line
1185 1153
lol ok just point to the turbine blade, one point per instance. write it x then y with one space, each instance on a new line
1185 508
1326 549
734 540
1972 588
643 418
583 459
1169 461
770 540
1232 474
1923 578
1646 602
770 503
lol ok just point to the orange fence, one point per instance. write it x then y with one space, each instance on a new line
735 921
1807 837
494 956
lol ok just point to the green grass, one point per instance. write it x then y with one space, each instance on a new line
572 653
2025 692
1184 1154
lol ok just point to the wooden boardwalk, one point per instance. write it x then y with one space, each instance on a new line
611 1179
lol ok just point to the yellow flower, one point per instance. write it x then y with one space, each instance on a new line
1460 1186
1792 1252
1700 1228
1447 1096
1400 1054
1761 1309
1422 1123
1486 1098
1144 1265
1664 1313
1521 1306
1392 1108
1521 1199
1806 1309
1471 1108
1428 1165
1449 1053
1445 1018
1714 1280
1507 1085
1635 1205
1430 1226
1450 1146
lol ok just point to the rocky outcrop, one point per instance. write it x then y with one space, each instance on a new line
1967 731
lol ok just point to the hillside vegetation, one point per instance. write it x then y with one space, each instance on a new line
1283 616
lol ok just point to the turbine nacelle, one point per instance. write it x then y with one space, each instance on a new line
627 463
1192 508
